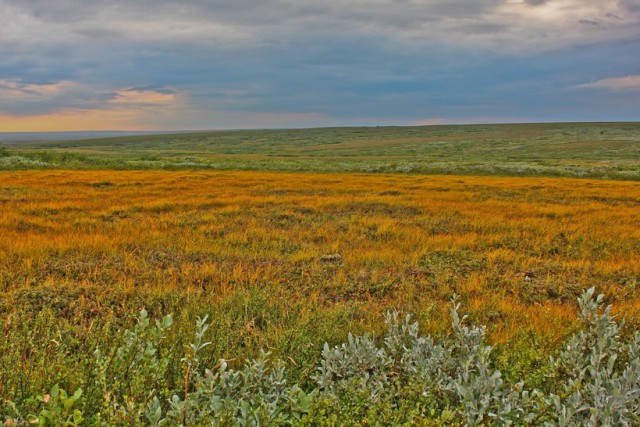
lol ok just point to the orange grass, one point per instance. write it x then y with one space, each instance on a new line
516 251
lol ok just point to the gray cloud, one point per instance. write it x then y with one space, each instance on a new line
309 61
509 25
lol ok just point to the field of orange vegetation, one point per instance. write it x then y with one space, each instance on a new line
516 251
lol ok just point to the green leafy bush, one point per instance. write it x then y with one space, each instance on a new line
58 408
132 374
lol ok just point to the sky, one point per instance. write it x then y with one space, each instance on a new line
71 65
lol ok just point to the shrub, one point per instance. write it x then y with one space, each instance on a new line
132 374
257 394
449 378
598 373
403 378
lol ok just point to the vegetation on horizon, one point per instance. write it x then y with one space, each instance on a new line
598 150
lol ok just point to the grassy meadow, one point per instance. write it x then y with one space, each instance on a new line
94 231
81 252
597 150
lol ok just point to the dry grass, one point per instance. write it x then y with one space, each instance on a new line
517 251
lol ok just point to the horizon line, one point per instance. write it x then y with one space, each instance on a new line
322 127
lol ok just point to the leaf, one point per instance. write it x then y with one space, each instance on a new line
55 391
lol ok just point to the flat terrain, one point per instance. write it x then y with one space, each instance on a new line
602 150
80 250
288 240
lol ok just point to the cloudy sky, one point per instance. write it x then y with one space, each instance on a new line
215 64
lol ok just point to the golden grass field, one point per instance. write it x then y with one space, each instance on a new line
516 251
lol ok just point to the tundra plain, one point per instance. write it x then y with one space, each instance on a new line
288 261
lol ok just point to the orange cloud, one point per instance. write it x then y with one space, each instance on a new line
429 122
133 116
614 83
73 120
132 96
129 110
15 89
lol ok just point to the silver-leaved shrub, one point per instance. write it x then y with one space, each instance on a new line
451 377
599 373
256 395
403 378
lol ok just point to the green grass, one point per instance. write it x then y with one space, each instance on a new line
602 150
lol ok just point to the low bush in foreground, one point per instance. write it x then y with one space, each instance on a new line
403 378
